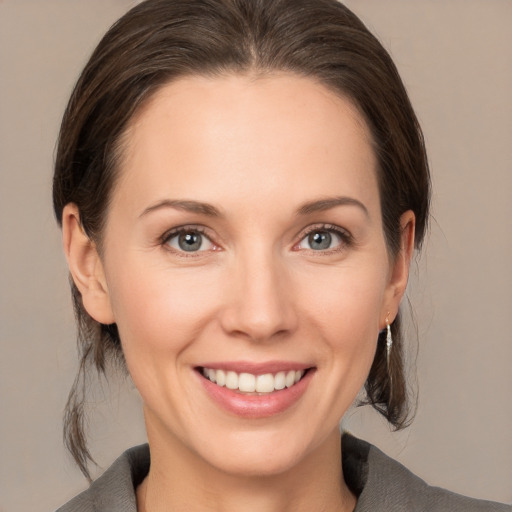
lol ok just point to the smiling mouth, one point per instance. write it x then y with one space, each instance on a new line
248 383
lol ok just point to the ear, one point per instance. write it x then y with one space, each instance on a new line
85 266
399 270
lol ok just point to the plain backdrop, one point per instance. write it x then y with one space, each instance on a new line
455 57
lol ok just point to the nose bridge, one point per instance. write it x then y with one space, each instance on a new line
260 305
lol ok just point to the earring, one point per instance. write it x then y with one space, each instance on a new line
389 340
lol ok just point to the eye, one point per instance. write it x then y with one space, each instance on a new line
324 239
188 240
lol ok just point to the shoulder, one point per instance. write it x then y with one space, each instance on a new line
383 484
115 489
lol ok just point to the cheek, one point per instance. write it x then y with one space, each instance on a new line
347 298
158 311
344 309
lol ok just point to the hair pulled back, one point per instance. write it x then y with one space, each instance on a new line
160 40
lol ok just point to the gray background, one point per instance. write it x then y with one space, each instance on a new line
456 59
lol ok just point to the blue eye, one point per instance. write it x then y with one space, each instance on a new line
189 240
322 239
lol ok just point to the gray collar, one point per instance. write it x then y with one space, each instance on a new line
380 483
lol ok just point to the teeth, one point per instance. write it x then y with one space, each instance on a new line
249 383
220 377
265 383
290 379
280 380
231 380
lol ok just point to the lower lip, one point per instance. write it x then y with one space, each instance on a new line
256 406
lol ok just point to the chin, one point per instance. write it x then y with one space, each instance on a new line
247 454
255 464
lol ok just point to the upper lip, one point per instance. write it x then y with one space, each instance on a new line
256 368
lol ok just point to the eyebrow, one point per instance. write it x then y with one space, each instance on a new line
185 205
199 207
330 202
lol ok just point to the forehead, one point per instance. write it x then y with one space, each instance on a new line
250 134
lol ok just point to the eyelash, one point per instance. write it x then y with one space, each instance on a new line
345 237
169 235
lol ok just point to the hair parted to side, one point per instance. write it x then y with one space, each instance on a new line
160 40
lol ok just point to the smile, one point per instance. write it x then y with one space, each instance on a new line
250 383
255 390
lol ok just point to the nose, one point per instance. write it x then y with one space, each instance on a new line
259 305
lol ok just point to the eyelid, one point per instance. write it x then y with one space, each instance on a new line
186 228
342 233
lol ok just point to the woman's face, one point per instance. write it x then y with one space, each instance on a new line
244 249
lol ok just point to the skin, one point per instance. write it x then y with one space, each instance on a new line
257 150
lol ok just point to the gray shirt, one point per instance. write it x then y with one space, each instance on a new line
380 483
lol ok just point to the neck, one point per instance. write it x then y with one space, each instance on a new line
178 478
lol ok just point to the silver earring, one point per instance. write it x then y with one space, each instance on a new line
389 341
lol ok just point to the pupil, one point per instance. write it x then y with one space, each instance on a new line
320 240
190 241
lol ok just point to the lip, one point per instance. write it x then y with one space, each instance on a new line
256 368
256 406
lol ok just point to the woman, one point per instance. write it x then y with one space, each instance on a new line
241 185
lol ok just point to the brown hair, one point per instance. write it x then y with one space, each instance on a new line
160 40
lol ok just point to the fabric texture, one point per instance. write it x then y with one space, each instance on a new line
381 484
